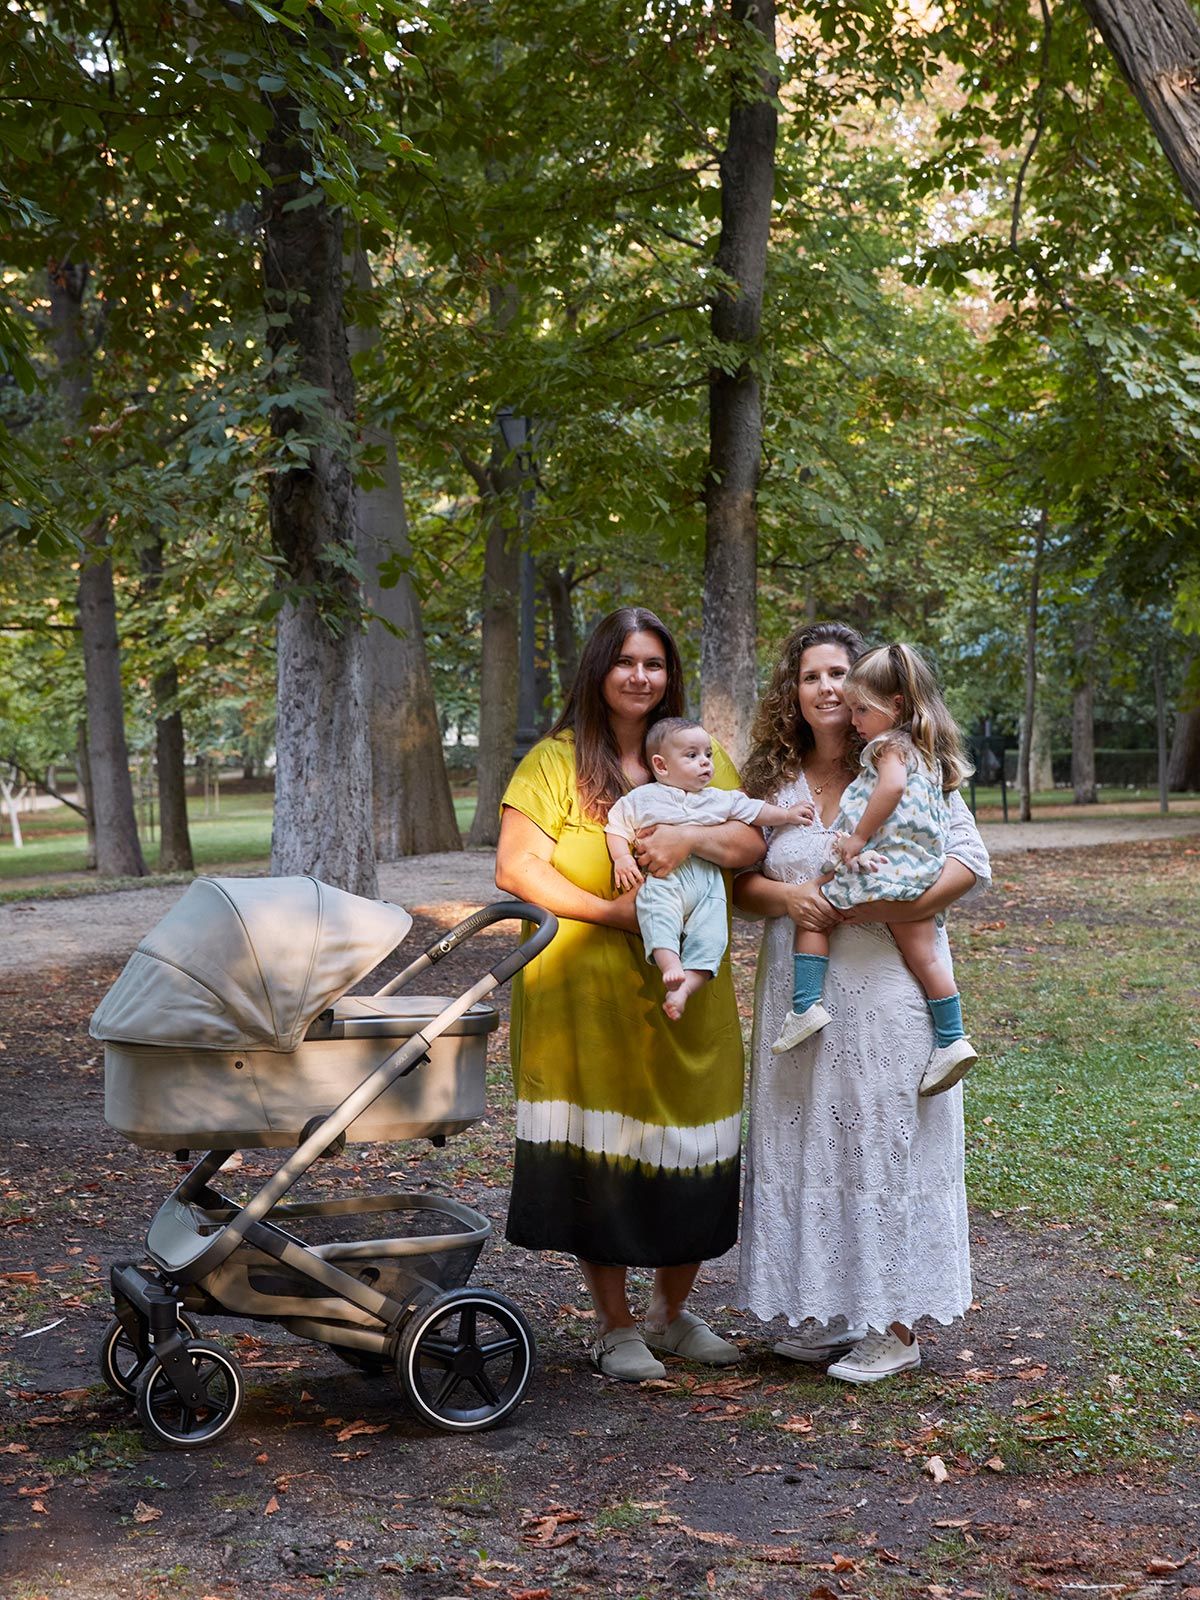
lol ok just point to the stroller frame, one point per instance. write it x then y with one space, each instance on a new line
422 1322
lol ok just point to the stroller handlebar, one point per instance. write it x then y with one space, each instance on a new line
545 927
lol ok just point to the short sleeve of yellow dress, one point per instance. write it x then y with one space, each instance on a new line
628 1125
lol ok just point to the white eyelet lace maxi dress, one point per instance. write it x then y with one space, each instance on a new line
854 1199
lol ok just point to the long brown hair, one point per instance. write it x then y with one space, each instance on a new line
598 775
896 670
780 737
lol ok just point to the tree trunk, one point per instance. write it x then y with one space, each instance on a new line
1160 726
1183 764
498 664
322 823
118 852
1157 47
728 664
1024 756
175 841
1083 722
412 806
558 584
83 776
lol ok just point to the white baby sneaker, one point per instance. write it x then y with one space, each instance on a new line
798 1026
948 1064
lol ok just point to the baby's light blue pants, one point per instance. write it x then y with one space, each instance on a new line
685 911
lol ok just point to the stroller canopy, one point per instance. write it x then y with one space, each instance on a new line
247 963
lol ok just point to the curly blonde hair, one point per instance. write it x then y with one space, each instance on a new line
780 737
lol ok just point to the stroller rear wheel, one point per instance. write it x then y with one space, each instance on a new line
465 1360
169 1419
121 1362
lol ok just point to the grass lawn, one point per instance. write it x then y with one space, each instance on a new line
238 835
1081 981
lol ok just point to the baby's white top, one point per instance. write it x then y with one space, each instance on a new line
663 802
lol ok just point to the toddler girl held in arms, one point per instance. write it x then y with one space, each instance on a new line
890 845
682 916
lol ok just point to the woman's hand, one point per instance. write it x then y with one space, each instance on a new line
624 912
663 846
809 909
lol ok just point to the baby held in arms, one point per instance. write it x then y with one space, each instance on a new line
682 916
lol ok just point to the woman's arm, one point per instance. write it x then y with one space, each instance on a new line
662 846
523 869
804 903
956 880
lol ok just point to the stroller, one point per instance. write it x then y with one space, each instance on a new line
230 1027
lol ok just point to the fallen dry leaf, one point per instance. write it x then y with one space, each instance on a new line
936 1468
14 1449
271 1507
146 1513
843 1563
796 1424
994 1464
353 1429
40 1507
1159 1566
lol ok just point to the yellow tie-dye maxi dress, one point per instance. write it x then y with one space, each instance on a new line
628 1125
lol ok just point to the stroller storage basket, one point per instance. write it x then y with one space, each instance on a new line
394 1243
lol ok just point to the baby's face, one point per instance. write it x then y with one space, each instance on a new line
685 761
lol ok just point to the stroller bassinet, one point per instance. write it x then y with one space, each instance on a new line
230 1027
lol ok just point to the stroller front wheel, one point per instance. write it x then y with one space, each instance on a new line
465 1360
121 1362
170 1419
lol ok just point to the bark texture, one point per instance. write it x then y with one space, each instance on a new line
558 584
498 665
1157 47
1183 764
322 819
1025 753
175 842
412 807
118 852
1083 716
728 675
83 772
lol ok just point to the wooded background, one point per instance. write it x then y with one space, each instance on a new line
885 312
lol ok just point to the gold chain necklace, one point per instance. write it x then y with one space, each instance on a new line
818 788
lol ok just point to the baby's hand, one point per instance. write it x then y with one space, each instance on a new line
626 874
802 814
849 846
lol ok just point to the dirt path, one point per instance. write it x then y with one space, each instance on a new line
48 935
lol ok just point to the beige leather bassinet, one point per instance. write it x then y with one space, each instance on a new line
230 1025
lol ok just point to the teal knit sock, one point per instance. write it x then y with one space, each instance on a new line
947 1019
809 983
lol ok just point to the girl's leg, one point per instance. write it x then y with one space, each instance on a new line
917 943
606 1285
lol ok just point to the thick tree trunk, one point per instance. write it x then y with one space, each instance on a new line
322 819
1157 47
498 665
1183 765
1024 755
175 841
118 851
1160 726
1083 714
412 807
728 675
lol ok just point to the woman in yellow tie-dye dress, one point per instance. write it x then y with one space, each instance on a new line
628 1123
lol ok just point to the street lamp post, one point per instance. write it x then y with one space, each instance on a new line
516 433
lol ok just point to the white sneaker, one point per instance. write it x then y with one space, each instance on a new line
948 1064
798 1026
818 1342
878 1356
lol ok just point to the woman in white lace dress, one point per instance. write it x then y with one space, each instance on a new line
854 1220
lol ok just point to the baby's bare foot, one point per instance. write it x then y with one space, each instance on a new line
675 1002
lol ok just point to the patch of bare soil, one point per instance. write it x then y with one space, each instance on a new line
767 1481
